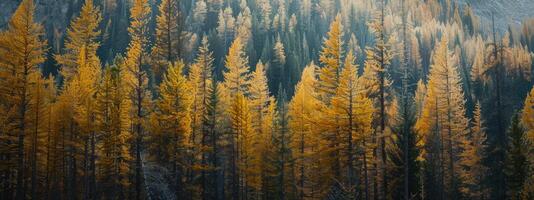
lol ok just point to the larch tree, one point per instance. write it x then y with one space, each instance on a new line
136 58
200 77
243 23
173 113
82 33
69 140
473 170
83 84
331 58
328 81
226 26
354 111
443 122
168 38
114 122
528 121
377 81
237 75
260 100
199 15
236 82
528 115
39 104
302 108
21 52
80 70
241 145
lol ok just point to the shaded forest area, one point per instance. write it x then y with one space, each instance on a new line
266 99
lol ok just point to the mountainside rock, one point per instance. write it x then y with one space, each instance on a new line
506 11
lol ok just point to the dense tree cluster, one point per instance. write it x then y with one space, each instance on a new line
267 99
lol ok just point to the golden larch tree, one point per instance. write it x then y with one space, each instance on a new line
82 33
302 110
354 111
443 122
167 42
473 171
114 121
173 113
136 59
22 50
200 78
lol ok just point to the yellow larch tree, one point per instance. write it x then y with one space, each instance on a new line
528 115
528 122
376 80
173 114
443 123
473 171
22 50
136 59
302 108
114 122
419 101
82 33
83 85
39 104
260 100
80 70
237 80
328 81
354 111
237 75
331 59
242 174
68 140
200 78
167 42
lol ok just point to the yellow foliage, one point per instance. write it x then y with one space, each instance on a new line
330 57
528 115
82 33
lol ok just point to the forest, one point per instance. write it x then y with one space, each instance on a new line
265 100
